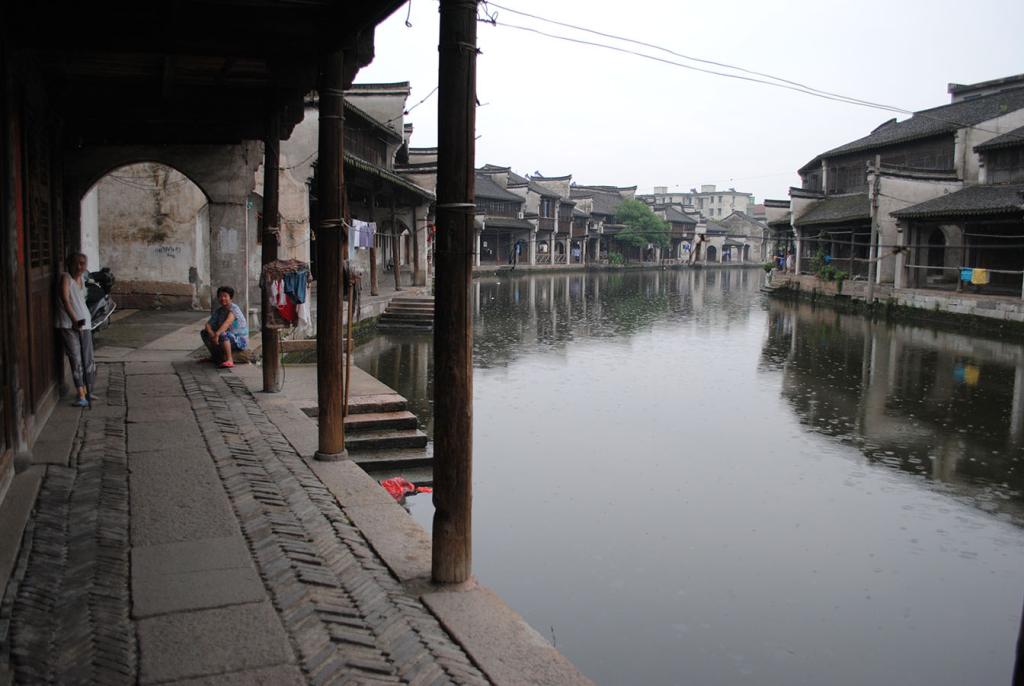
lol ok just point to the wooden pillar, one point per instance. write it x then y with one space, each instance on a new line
332 248
416 249
396 248
374 286
269 338
451 560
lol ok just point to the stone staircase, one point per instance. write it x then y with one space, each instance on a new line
414 314
381 433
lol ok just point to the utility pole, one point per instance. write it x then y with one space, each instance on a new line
269 339
332 249
451 560
873 248
396 248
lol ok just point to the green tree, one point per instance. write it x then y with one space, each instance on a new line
643 227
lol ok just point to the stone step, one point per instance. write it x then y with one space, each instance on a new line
394 327
413 299
411 309
364 404
415 465
374 421
382 440
406 317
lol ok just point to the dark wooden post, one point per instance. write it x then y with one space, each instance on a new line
269 338
396 249
1018 670
374 286
332 248
415 250
451 561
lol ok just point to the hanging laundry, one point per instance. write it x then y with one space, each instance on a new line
368 234
295 285
979 277
282 303
966 275
305 319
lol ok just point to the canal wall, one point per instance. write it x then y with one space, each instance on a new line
487 270
994 313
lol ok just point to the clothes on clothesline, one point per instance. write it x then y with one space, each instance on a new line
295 285
361 234
966 275
285 284
980 277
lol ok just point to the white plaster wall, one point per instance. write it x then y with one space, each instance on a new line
896 193
147 214
90 217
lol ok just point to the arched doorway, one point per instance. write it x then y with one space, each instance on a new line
712 254
150 224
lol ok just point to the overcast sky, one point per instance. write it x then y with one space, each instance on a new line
611 118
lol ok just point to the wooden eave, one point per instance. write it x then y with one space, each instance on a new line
184 72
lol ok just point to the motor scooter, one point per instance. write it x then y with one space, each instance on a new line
97 298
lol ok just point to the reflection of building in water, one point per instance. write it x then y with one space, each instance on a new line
943 405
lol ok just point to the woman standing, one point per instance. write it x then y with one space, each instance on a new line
75 326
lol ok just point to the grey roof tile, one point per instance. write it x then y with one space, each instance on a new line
837 209
932 122
486 188
1010 139
971 201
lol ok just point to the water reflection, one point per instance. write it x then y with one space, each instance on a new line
941 405
681 482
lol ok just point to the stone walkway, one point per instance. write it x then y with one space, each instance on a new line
238 562
181 534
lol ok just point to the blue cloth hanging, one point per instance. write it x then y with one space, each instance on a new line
295 286
966 275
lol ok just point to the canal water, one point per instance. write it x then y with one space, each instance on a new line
680 481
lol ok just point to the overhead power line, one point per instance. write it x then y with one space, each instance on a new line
754 76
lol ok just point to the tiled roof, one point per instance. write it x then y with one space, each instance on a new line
603 203
387 175
507 223
971 201
543 191
933 122
486 188
784 220
837 209
674 215
1011 139
517 179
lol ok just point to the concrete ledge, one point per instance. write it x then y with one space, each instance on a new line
502 644
15 510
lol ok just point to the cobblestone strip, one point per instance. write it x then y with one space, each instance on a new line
349 618
67 608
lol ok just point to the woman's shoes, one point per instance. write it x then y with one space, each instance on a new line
80 402
227 364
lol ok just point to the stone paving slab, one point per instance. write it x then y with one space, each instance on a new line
182 434
159 410
210 642
270 676
176 496
203 589
153 386
139 368
226 552
193 575
14 515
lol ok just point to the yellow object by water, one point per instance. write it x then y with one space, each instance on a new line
979 277
971 374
